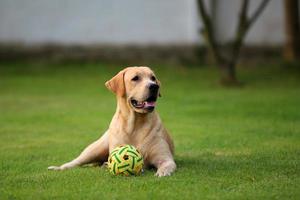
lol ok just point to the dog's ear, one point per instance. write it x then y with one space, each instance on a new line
116 84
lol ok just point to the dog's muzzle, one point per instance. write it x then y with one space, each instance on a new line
148 104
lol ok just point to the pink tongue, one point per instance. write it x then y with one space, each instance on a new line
149 104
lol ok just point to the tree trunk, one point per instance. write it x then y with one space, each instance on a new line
292 44
228 74
227 64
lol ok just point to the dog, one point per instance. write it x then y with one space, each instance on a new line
135 122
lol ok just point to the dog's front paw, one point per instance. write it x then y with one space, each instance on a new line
166 169
161 173
55 168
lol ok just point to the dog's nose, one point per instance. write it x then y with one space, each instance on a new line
153 88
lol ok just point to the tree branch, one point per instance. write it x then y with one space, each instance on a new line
257 12
243 27
241 30
243 14
209 31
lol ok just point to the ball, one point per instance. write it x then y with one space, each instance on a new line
125 160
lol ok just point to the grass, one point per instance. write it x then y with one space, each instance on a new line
241 143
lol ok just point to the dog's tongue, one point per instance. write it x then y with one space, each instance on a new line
149 104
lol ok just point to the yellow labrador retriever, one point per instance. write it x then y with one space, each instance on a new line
135 122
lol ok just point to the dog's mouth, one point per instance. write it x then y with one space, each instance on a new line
148 104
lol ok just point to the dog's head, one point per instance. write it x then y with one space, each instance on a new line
138 86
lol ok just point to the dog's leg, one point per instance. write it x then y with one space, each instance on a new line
165 167
162 159
97 151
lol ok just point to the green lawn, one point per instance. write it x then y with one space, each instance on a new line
241 143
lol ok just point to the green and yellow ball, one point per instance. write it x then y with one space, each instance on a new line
125 160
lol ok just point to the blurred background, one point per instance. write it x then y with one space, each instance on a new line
130 22
139 32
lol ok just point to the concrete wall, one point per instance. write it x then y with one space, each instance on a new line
127 22
267 30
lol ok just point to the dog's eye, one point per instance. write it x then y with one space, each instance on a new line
136 78
153 78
